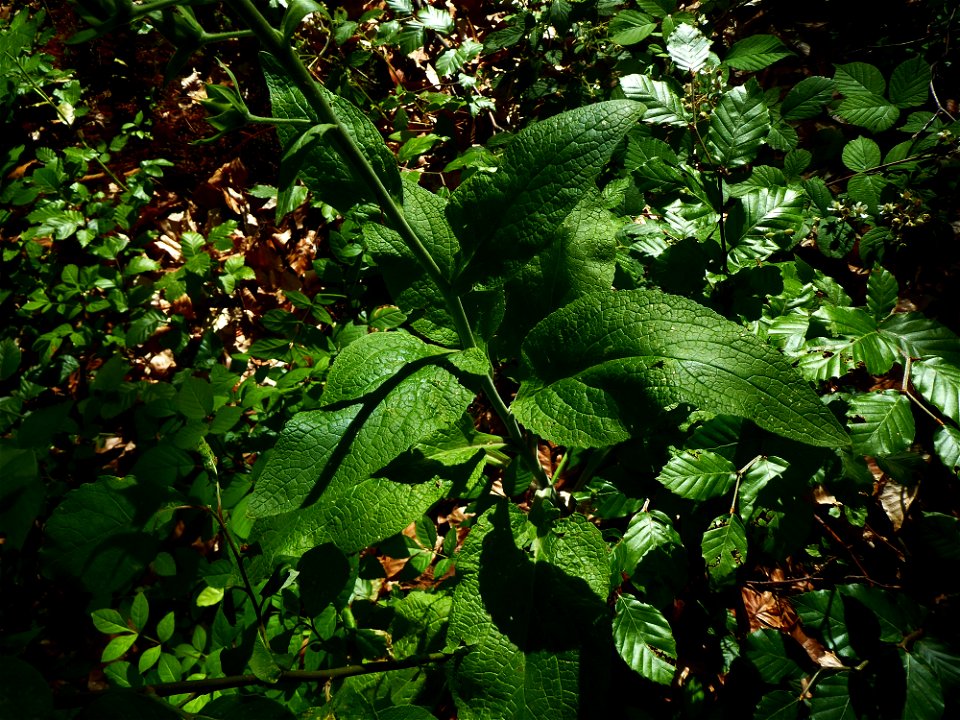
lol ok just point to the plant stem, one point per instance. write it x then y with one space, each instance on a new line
288 59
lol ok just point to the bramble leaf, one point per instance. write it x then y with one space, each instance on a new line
688 48
664 106
738 125
756 52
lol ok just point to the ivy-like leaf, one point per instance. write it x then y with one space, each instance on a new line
644 640
882 422
756 52
738 125
664 106
505 218
594 371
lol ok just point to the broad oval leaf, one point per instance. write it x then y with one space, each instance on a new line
595 370
807 98
738 125
861 154
910 83
644 640
724 549
505 218
869 111
698 475
939 383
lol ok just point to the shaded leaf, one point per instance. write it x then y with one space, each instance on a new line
738 125
724 549
882 422
644 640
756 52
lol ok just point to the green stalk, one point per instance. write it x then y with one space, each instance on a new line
274 42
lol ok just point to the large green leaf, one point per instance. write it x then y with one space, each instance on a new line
322 167
858 78
924 699
644 639
647 532
580 260
724 549
861 154
412 289
882 422
756 52
505 218
882 293
597 371
664 106
738 125
324 481
910 83
869 111
698 475
526 620
807 98
939 383
763 221
946 441
863 340
822 613
921 337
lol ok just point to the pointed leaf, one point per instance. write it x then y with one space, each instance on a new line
921 337
946 441
822 613
807 98
110 622
505 218
869 111
910 83
939 383
756 52
882 422
859 78
778 705
688 48
647 531
724 548
763 221
118 647
768 653
664 106
830 699
924 695
738 125
883 291
580 362
629 27
644 640
698 475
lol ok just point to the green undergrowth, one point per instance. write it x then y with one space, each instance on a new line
639 410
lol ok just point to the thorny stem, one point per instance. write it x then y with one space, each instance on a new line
284 54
